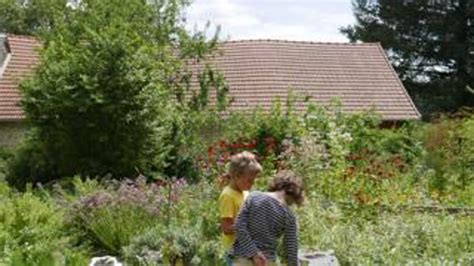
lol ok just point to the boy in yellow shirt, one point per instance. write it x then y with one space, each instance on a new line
241 173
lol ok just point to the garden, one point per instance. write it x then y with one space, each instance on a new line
375 196
122 159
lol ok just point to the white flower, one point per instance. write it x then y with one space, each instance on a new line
347 137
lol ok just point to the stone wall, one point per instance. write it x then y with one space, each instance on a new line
11 133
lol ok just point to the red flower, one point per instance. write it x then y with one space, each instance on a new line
250 145
222 144
210 153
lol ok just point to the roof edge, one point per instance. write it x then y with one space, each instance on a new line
10 35
405 92
298 42
13 120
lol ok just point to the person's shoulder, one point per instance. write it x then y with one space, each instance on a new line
252 195
229 192
226 192
256 193
262 197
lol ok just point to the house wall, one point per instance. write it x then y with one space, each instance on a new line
11 133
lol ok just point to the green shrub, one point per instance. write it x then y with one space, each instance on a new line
390 238
29 164
188 231
109 94
197 210
449 155
70 257
145 249
113 227
174 243
32 232
5 156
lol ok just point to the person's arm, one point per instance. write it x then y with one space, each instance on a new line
249 248
226 214
290 239
227 226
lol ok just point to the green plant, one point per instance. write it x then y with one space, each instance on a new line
191 234
32 231
5 156
110 216
448 145
29 164
145 249
108 96
172 244
71 257
390 238
113 227
180 243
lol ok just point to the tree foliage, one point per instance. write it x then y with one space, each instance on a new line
430 44
108 95
27 17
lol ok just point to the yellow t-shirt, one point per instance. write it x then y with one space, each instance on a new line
230 202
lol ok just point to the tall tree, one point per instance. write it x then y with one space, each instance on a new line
430 44
104 98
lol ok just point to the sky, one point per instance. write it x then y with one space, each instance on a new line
299 20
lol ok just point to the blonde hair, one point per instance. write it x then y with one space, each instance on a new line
241 163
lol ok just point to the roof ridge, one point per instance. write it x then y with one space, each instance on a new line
298 42
9 35
16 36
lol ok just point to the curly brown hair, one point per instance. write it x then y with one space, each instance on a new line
290 183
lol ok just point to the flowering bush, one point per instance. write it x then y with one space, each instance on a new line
191 235
112 215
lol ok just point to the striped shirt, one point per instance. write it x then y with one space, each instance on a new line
262 220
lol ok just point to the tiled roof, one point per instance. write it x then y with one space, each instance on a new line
19 64
260 71
360 75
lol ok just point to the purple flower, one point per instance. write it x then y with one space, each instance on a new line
132 193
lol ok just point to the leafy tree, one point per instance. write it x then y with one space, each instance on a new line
430 44
27 17
105 97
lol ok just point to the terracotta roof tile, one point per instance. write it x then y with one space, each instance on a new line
21 60
258 71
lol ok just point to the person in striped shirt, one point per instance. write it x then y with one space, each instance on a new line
264 218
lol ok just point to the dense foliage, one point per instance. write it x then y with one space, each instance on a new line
373 195
430 45
125 161
107 97
29 17
33 232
